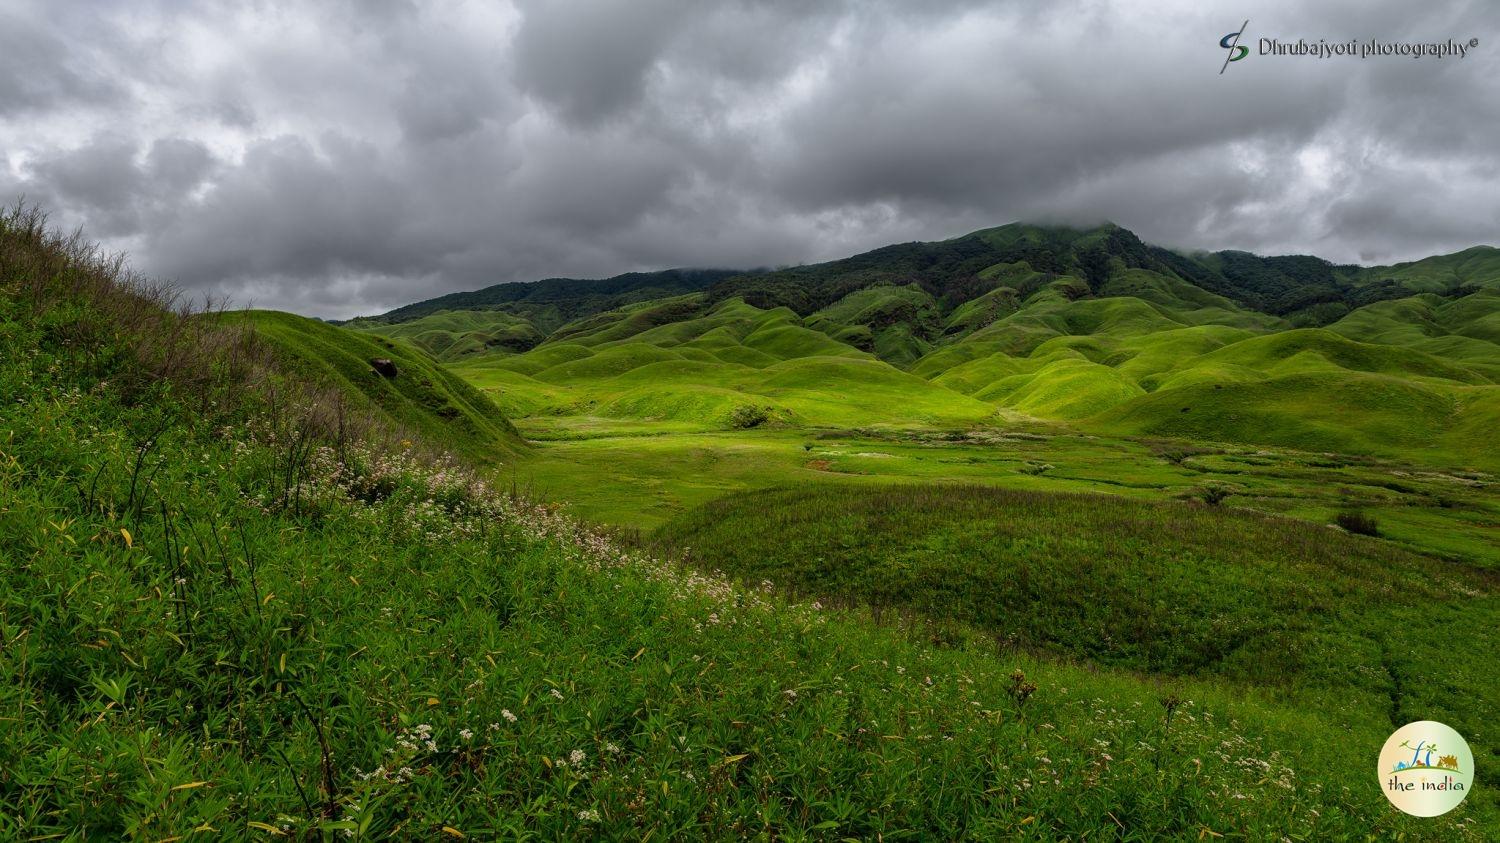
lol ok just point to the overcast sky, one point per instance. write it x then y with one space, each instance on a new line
338 158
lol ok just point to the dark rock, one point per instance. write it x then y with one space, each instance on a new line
383 367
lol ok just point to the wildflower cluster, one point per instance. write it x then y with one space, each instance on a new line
437 499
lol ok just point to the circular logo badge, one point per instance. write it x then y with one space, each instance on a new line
1426 768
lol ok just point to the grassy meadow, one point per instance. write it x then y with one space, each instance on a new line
639 476
1167 589
1126 380
848 565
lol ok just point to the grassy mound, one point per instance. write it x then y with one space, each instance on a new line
895 324
456 334
422 397
608 362
1477 266
1321 350
516 395
1315 411
1063 389
629 364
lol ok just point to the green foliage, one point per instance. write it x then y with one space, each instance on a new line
454 335
1214 494
748 415
637 363
1086 326
1078 573
896 324
1357 522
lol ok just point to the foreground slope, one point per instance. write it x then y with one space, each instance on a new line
1286 608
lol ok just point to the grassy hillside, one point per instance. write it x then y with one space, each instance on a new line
1090 328
551 302
1478 267
421 397
896 324
1090 374
454 334
1300 287
1171 588
221 619
714 366
1288 610
899 301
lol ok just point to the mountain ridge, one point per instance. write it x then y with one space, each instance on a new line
1295 286
1091 328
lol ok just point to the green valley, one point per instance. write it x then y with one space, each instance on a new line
1122 367
1036 533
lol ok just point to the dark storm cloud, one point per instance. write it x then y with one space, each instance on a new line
101 176
591 60
352 156
39 71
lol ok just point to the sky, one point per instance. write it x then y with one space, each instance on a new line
346 157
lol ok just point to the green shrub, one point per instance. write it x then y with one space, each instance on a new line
747 416
1355 521
1214 494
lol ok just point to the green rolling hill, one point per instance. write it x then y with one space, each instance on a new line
697 362
1088 327
421 397
455 334
554 301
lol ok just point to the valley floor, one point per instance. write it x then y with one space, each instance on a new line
641 475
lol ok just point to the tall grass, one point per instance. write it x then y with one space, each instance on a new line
1372 635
